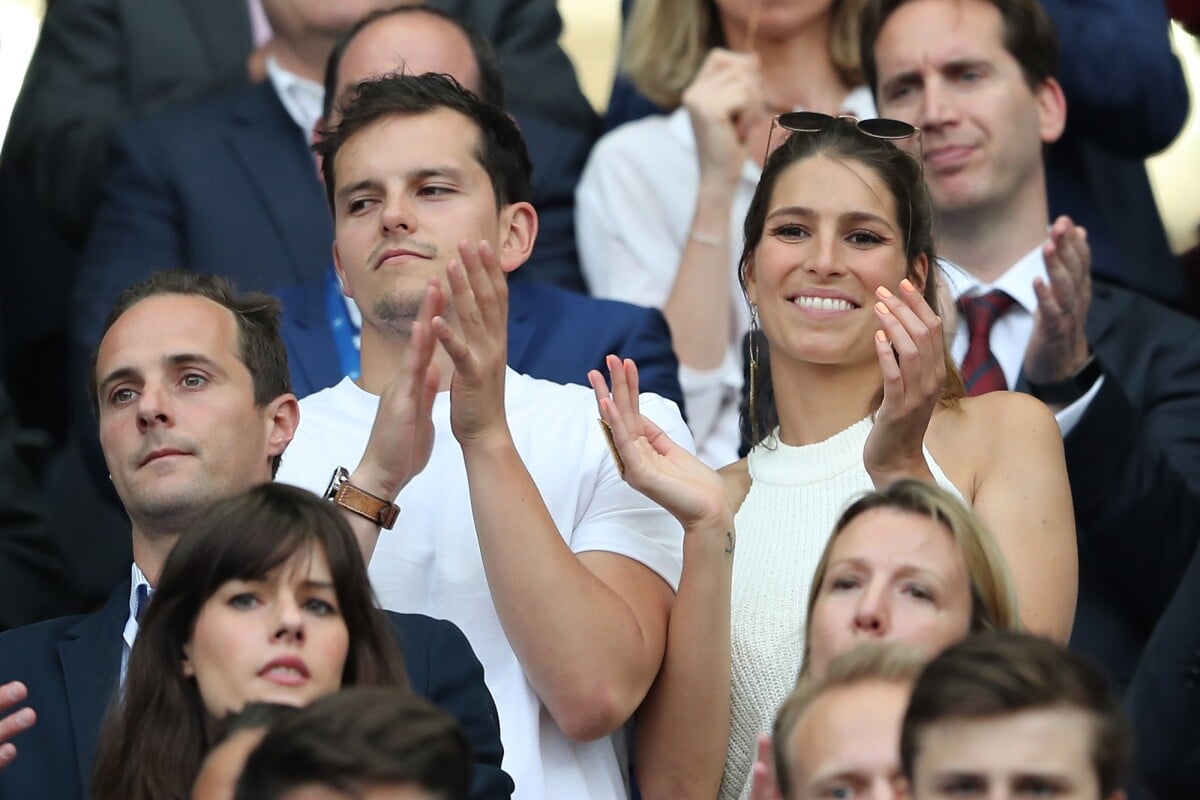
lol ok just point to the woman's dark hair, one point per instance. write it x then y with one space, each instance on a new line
154 739
901 174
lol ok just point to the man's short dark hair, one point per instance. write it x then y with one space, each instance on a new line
997 674
260 345
491 84
1029 36
365 736
501 150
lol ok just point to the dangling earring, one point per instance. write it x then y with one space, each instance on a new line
753 347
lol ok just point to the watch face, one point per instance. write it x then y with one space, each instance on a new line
340 476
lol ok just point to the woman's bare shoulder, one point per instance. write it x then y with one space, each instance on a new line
978 431
736 477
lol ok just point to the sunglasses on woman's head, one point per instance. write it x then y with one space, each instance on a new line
892 130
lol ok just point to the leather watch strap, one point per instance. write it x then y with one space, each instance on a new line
345 494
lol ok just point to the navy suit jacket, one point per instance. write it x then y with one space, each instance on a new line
552 334
1134 464
1127 98
1164 698
72 665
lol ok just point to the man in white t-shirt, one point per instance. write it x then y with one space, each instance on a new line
522 530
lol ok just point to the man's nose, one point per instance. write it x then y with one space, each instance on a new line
153 406
397 215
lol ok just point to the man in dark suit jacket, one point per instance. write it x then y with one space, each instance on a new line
180 384
228 186
1121 372
30 565
552 333
1164 697
101 63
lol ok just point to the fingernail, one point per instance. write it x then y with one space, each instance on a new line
880 337
907 286
7 752
14 693
882 309
882 291
24 716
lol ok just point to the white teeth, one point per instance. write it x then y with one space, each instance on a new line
286 670
822 303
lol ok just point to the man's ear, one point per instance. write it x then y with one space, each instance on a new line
283 416
518 232
1052 110
316 136
341 272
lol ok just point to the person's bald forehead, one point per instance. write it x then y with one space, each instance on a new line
415 42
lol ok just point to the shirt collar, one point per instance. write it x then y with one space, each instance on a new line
1016 281
303 99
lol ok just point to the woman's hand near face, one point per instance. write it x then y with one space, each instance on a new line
651 462
724 101
911 354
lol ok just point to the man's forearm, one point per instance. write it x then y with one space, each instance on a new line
589 650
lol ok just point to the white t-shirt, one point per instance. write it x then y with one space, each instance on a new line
633 211
430 562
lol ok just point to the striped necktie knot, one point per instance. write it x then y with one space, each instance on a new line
981 371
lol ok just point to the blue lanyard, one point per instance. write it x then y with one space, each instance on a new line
341 326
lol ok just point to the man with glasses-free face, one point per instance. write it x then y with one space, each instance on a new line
1121 373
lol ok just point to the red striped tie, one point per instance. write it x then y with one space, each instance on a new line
981 371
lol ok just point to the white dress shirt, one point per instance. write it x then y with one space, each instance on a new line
303 99
1012 331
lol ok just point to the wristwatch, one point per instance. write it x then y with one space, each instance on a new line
345 494
1070 389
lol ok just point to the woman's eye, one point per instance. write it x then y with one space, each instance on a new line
843 582
320 607
919 592
863 238
789 231
243 600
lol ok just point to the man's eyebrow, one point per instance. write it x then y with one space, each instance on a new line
436 172
174 360
119 374
906 78
357 186
183 359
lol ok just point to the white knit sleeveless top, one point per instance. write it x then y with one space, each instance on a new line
796 495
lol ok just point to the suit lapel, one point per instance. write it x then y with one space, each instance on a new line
223 26
311 351
90 654
521 327
273 152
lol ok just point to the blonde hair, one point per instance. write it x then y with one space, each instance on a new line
993 596
873 662
666 42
